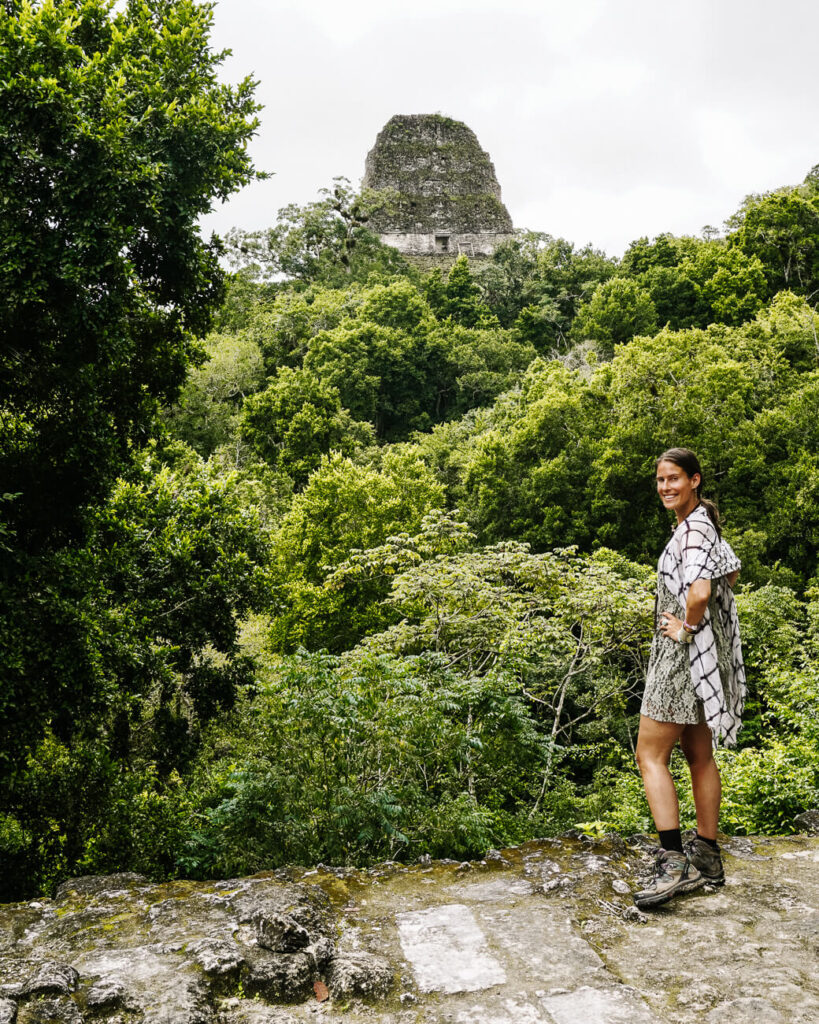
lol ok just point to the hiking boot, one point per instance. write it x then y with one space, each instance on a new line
673 874
706 860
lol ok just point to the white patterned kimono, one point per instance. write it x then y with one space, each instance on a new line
695 552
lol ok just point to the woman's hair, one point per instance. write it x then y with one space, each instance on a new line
690 464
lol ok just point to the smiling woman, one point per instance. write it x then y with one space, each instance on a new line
695 682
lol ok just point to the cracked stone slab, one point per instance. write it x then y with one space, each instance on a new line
447 950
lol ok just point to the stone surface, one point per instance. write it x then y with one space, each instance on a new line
219 958
745 1011
445 195
545 933
606 1006
359 974
447 950
56 1010
280 933
51 977
106 994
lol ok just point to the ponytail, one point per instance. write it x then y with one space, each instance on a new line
690 464
713 513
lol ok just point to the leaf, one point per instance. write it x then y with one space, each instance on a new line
321 990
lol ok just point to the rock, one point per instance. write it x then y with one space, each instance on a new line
554 884
359 974
633 914
60 1010
495 859
620 886
279 977
808 822
251 1011
51 977
745 1011
106 994
280 933
219 958
322 951
612 1006
473 947
94 885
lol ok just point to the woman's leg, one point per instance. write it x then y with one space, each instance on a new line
654 745
697 746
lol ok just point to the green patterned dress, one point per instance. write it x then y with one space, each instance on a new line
669 694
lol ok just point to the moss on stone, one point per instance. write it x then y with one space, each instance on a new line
444 179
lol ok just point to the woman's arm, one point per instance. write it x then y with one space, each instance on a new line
732 578
699 594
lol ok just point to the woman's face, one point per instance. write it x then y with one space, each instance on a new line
676 488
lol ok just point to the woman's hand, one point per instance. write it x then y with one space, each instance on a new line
670 625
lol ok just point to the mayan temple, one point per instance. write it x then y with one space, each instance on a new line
449 199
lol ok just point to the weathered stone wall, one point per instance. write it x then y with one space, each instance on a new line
470 243
449 199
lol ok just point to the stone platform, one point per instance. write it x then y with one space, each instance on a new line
541 934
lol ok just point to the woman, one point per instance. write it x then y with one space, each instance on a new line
695 683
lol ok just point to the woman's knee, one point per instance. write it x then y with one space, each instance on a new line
648 756
697 747
700 765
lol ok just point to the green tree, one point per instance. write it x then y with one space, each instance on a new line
344 507
423 761
536 283
389 364
206 414
325 242
677 297
782 230
140 627
666 250
297 419
283 328
484 363
117 137
458 299
525 477
617 311
732 284
702 389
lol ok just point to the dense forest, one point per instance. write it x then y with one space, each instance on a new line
326 557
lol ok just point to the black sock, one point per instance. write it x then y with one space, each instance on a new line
670 839
711 842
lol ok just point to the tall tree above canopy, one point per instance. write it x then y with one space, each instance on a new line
782 230
327 241
115 137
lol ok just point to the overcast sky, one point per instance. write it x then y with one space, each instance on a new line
605 119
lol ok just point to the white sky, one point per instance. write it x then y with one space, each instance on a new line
605 119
